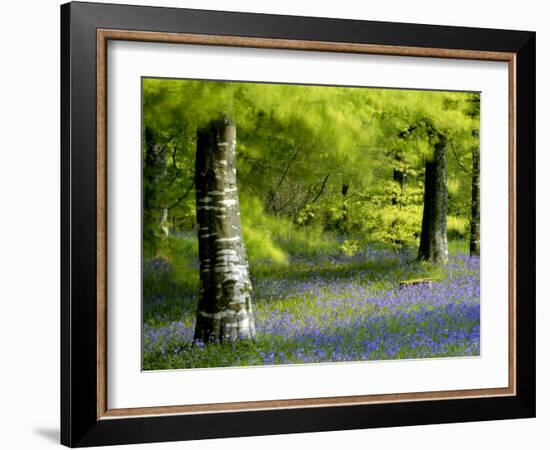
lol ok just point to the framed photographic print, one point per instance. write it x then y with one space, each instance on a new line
277 224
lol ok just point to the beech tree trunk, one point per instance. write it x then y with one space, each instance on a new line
474 222
225 300
433 238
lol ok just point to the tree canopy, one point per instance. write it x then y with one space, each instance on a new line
311 160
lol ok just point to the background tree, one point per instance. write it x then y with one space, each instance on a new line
474 113
154 173
419 127
475 219
433 237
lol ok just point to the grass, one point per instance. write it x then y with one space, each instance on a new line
322 308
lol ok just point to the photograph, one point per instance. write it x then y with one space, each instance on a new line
307 224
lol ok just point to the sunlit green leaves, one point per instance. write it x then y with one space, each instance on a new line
292 137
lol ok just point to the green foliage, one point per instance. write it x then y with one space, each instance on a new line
457 227
350 247
317 165
180 254
272 239
397 227
261 233
459 247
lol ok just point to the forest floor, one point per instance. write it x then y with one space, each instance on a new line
326 308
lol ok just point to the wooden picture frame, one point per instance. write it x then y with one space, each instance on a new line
86 418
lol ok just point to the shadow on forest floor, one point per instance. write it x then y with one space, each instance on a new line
168 298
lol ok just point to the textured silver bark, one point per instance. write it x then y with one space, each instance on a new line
225 300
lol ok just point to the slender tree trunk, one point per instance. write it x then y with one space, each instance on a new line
269 205
399 176
433 238
321 190
154 174
225 300
164 223
344 219
474 222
